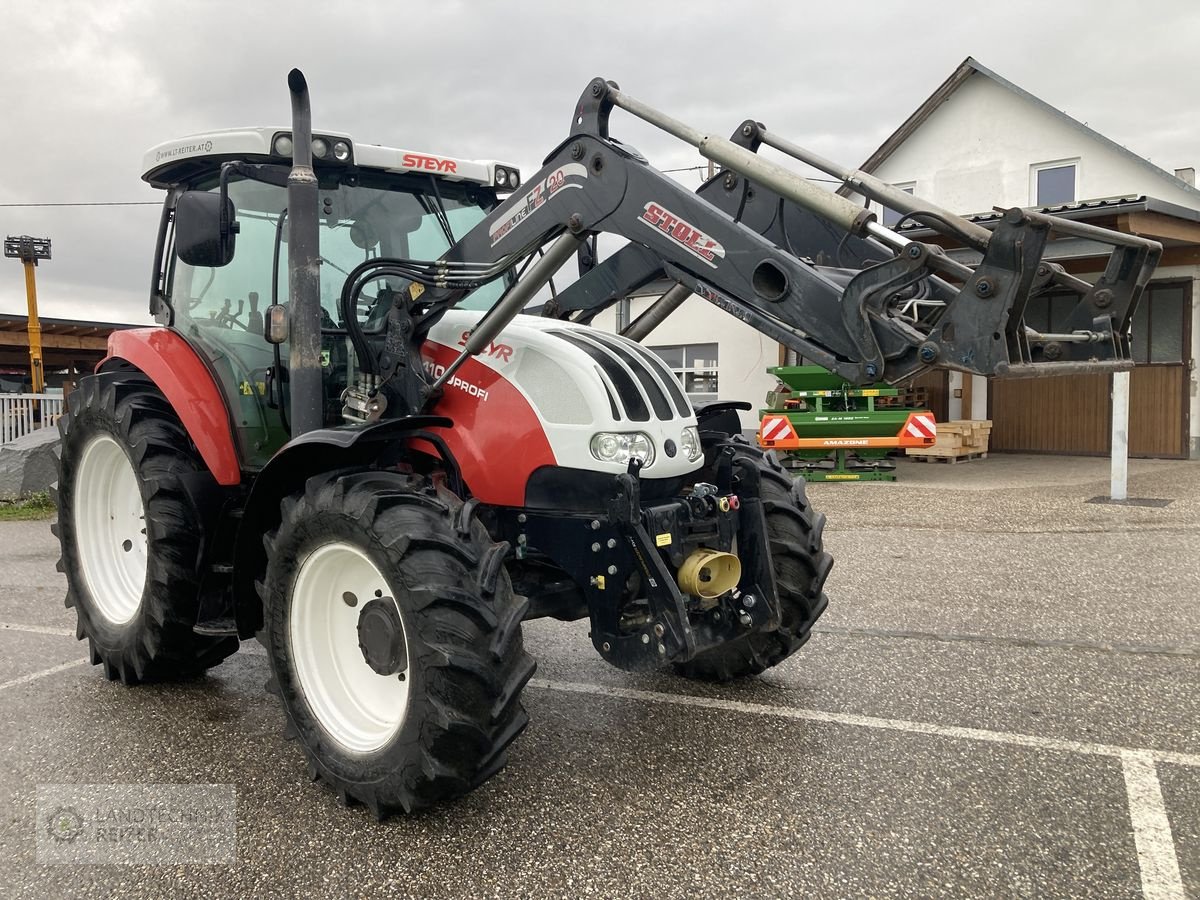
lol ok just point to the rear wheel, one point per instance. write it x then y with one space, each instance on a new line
801 566
132 538
394 638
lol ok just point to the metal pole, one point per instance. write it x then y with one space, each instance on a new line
37 374
304 270
640 328
1119 487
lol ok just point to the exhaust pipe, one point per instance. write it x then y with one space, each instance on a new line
307 407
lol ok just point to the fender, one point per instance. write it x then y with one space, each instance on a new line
177 370
314 453
720 420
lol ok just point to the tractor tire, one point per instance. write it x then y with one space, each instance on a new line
132 538
801 566
394 639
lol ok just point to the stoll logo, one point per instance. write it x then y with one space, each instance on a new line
686 235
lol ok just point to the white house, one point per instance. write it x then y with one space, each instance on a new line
980 141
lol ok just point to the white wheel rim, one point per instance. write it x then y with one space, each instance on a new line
110 529
359 708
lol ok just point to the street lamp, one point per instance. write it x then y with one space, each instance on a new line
29 250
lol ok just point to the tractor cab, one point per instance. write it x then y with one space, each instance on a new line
373 202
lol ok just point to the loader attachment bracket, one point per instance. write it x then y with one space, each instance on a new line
981 324
594 107
863 304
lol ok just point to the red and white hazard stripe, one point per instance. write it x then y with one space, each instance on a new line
776 428
921 425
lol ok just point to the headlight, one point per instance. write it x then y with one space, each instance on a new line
283 145
341 151
501 176
514 179
690 442
618 447
319 148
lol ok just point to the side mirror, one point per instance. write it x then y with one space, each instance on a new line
203 237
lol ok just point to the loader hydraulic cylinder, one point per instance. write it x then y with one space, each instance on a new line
835 208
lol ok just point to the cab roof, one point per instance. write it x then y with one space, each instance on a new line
175 161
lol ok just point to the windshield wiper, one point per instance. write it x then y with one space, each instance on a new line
442 218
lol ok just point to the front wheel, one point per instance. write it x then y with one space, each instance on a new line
394 639
801 566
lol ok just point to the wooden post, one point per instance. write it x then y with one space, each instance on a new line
1118 489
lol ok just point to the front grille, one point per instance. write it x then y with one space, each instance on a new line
642 383
666 376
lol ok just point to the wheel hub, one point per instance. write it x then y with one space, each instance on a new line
381 637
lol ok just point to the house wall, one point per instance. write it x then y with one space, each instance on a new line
1192 386
975 152
743 354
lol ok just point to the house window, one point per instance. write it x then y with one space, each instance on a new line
1158 325
1048 313
1054 183
891 216
695 365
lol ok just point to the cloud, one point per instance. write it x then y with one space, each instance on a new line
88 87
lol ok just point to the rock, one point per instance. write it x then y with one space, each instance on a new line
29 464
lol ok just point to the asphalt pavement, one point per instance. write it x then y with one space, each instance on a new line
1001 701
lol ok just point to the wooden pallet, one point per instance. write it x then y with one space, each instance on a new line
946 457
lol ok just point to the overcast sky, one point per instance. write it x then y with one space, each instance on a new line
88 86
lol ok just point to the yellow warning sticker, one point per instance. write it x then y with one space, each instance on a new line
415 290
662 540
873 392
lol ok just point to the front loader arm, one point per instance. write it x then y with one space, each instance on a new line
593 183
785 224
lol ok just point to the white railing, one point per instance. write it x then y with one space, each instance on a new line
23 413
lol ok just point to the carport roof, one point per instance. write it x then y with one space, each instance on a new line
1176 227
1085 209
68 327
65 342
